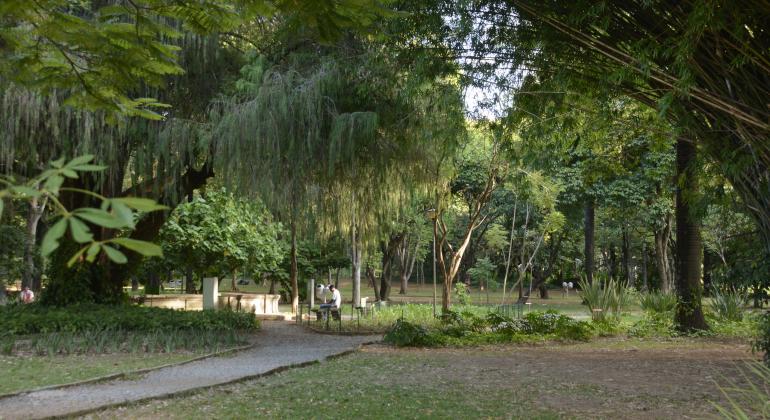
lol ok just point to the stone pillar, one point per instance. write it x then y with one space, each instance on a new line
210 292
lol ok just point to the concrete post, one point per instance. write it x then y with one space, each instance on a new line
311 292
210 292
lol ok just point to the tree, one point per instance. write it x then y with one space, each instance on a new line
164 159
217 234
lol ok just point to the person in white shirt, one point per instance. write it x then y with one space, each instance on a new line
336 301
27 296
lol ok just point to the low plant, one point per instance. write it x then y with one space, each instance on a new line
467 328
461 293
36 319
612 298
728 304
658 302
405 333
654 325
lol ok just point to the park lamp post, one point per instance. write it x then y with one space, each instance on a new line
432 214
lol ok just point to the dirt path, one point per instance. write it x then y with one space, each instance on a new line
280 344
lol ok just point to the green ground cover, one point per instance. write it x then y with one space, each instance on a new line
607 378
27 372
361 385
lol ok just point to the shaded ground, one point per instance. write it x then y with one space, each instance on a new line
606 379
279 344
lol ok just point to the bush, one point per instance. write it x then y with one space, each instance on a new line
654 325
658 302
728 305
34 319
467 328
405 333
461 292
613 298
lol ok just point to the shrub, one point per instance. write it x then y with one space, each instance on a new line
658 302
404 333
461 292
728 305
613 298
654 325
34 319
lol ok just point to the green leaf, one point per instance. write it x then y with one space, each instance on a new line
25 191
75 257
93 251
80 160
89 168
148 249
53 183
1 207
123 213
116 256
51 239
100 218
69 173
58 163
141 204
80 232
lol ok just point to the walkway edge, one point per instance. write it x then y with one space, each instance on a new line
121 375
234 381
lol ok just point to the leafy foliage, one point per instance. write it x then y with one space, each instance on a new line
217 233
34 319
728 304
104 52
114 213
467 328
658 302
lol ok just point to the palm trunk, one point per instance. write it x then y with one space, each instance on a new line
689 248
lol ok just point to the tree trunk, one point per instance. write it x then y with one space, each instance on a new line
644 266
388 255
189 281
31 273
355 275
407 270
662 236
689 248
134 284
625 256
293 270
589 227
272 285
153 283
372 280
355 261
234 280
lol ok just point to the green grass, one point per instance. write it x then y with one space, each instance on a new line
382 386
23 373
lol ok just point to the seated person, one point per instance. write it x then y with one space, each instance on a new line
336 299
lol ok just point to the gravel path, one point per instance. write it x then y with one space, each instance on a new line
279 344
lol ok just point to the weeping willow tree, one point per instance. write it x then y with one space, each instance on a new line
165 160
331 144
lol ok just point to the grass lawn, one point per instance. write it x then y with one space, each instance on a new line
27 372
603 379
